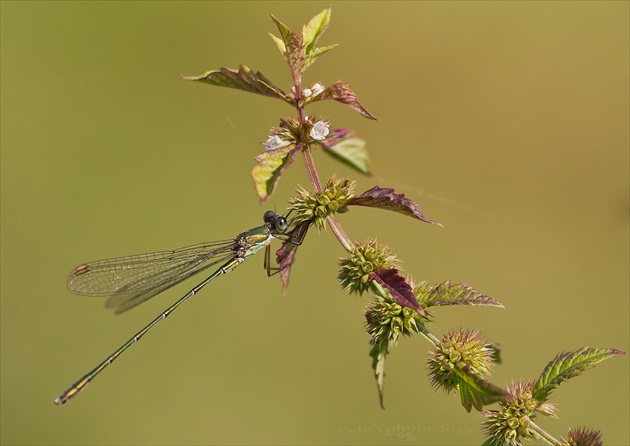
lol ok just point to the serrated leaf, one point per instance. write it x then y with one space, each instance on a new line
316 53
243 79
342 93
293 46
477 392
386 198
350 151
280 44
495 354
445 293
285 256
314 29
398 287
378 352
269 167
569 365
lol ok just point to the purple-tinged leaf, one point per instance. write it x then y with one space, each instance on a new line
285 256
477 392
243 79
569 365
293 46
386 198
335 136
342 93
445 294
398 287
269 167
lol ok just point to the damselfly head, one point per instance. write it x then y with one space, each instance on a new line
276 222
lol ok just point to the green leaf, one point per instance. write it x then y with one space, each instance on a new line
378 354
243 79
280 44
342 93
495 350
569 365
269 167
386 198
477 392
314 29
293 47
315 54
351 152
445 293
311 32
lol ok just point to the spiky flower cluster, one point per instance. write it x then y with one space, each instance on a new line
364 260
583 437
459 353
387 319
512 422
317 207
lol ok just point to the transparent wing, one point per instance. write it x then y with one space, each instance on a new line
132 280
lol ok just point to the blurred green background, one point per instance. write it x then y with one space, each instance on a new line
508 122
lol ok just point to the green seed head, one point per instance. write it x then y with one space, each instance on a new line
387 319
364 260
582 436
512 422
317 207
465 351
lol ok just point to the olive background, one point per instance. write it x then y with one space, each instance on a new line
506 121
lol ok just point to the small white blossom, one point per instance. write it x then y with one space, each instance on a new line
306 92
317 89
319 131
273 142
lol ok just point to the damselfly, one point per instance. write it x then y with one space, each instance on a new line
129 281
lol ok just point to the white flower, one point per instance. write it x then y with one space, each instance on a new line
319 131
306 92
317 89
273 142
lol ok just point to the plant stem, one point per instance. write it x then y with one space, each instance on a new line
428 335
341 235
311 170
309 164
335 226
545 435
